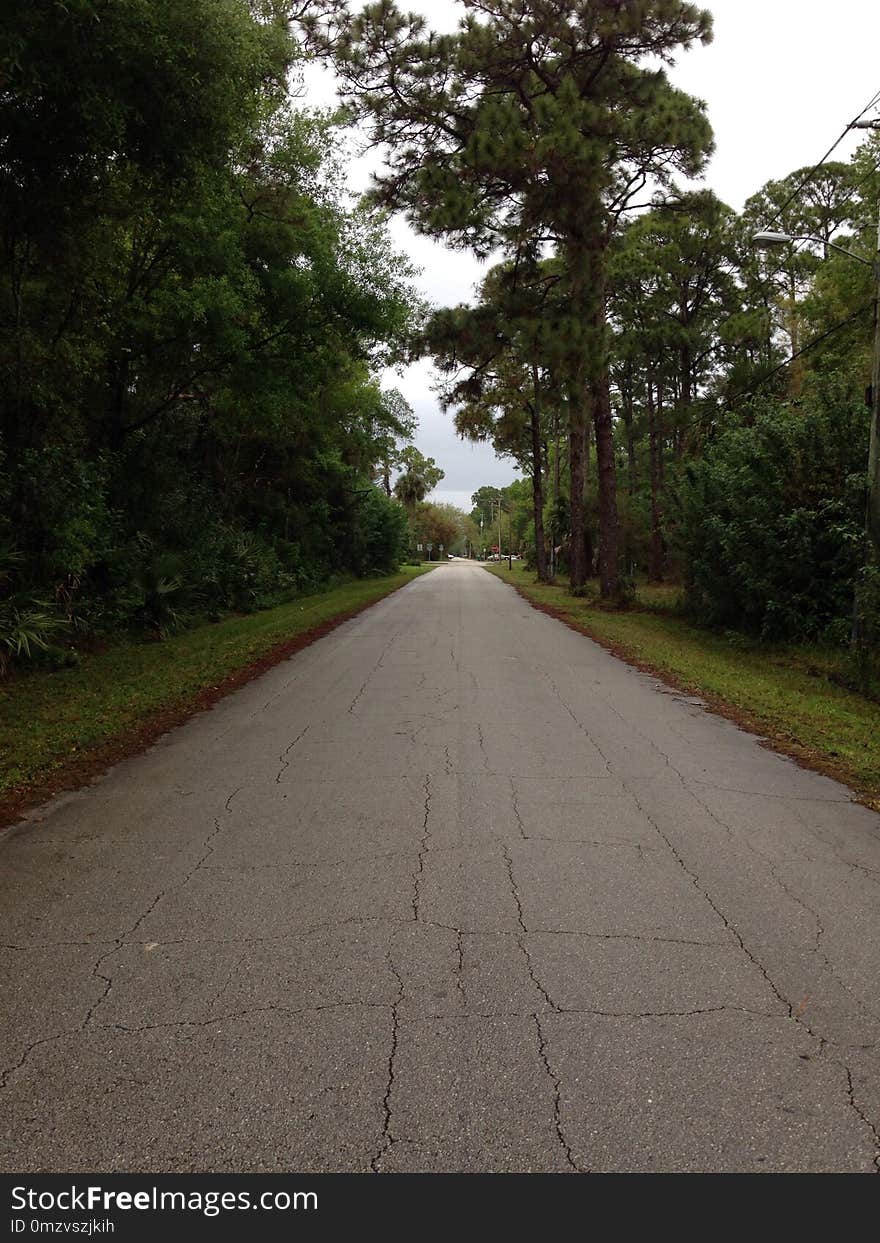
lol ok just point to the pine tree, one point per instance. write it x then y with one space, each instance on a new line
537 121
509 383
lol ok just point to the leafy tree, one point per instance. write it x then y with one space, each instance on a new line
534 123
503 396
772 518
439 525
810 206
673 289
191 319
419 478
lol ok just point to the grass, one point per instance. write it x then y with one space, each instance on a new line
790 695
116 700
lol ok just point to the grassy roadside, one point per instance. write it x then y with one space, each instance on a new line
58 729
787 694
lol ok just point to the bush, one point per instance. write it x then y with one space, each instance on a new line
166 594
26 624
380 535
771 519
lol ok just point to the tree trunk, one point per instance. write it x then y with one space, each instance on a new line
609 575
557 449
538 480
655 567
600 393
589 391
661 437
630 440
577 438
796 369
628 411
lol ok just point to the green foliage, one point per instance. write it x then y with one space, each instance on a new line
772 518
26 623
164 594
380 535
191 321
26 626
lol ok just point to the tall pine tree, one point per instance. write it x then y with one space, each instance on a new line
538 120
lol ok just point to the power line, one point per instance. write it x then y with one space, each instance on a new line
786 362
836 327
805 349
875 167
817 166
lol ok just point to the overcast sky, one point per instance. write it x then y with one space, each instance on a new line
781 80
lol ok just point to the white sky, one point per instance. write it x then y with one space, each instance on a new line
781 80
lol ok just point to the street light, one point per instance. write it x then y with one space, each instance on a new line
768 239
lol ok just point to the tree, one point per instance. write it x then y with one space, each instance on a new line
419 478
772 517
535 123
191 317
672 290
811 205
503 396
444 526
485 502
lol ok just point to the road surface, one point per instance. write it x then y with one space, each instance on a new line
452 889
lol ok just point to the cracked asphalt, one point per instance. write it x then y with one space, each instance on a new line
452 889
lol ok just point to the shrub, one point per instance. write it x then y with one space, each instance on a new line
771 518
26 624
380 534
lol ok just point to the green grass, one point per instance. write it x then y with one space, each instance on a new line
48 720
789 694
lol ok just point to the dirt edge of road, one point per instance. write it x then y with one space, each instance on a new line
91 765
804 756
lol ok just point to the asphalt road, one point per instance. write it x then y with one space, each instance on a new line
452 889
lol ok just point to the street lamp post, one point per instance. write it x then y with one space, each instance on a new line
492 505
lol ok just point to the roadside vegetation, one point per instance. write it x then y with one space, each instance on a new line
197 320
800 697
56 727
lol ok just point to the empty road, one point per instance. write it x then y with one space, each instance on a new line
452 889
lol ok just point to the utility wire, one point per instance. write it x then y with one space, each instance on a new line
846 198
837 327
817 166
786 362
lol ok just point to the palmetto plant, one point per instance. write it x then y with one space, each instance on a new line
166 594
25 627
26 624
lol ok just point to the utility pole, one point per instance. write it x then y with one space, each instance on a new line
872 514
872 508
